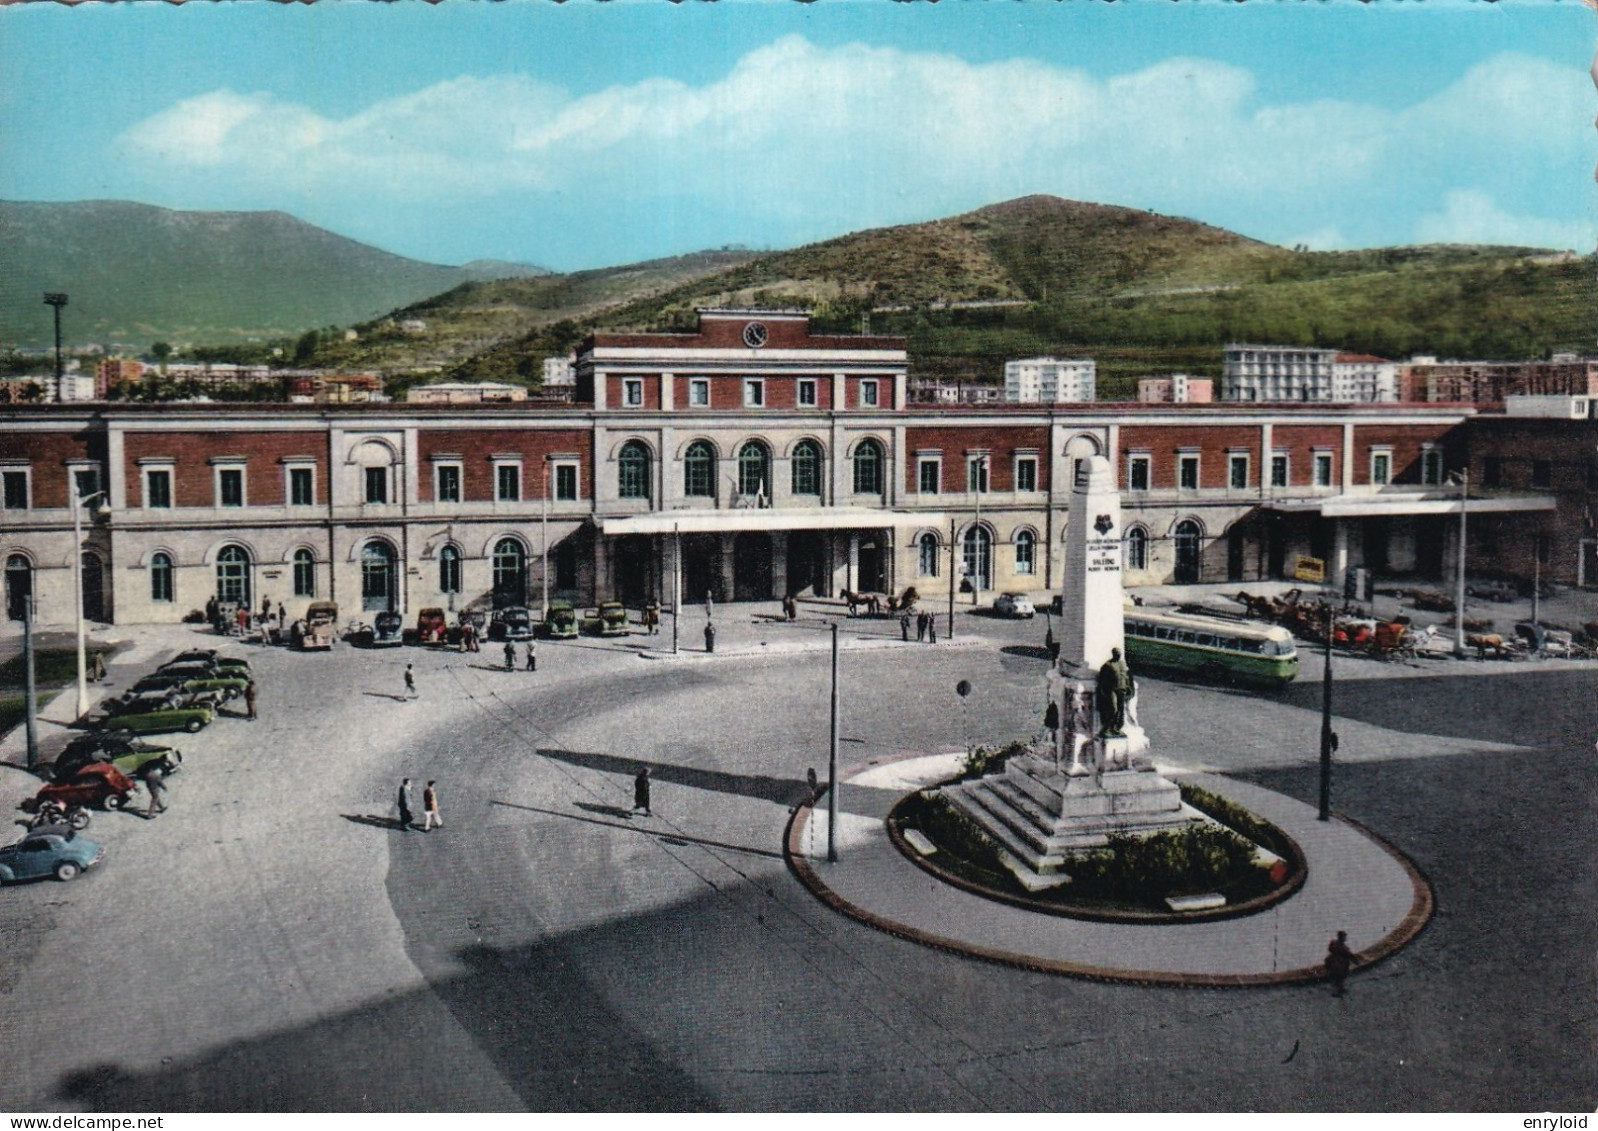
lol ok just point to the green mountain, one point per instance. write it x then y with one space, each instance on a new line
135 273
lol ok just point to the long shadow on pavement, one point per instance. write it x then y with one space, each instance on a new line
783 791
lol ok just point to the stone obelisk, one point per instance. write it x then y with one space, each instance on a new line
1096 781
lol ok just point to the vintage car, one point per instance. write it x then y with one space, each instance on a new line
387 631
134 759
154 714
513 623
560 620
1017 605
205 688
315 632
95 785
49 850
613 619
432 627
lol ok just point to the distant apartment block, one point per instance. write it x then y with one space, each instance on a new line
560 372
335 388
1178 388
1049 380
465 392
1494 382
1359 378
114 370
1276 373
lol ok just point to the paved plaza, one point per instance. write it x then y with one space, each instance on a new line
275 943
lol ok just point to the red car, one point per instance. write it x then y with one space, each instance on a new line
97 784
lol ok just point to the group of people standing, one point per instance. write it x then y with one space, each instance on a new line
430 814
926 627
531 655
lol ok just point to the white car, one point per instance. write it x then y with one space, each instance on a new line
1017 605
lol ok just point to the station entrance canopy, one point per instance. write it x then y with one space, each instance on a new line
1394 504
769 519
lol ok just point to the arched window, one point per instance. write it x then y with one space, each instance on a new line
868 468
377 577
699 470
510 572
449 570
807 468
19 586
979 557
304 573
1026 544
1137 549
927 555
233 574
161 578
632 474
754 470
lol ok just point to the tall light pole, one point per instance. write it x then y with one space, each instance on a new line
1463 475
543 528
978 576
832 759
77 592
57 300
1328 739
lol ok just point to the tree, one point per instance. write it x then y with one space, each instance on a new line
161 351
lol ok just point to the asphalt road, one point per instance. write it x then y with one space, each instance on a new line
275 944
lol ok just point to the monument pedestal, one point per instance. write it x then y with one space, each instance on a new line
1040 813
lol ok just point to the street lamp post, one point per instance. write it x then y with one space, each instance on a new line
543 531
1463 475
979 575
77 593
57 300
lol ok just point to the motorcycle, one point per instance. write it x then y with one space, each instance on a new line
54 813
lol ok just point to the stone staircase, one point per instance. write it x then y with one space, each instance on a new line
1039 815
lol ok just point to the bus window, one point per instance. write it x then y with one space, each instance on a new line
1205 639
1185 636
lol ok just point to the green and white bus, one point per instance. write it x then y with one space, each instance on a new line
1218 650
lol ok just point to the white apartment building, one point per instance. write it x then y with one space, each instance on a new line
1050 380
1276 373
560 372
1359 378
1178 388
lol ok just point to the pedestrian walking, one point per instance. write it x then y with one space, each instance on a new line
1339 961
710 638
404 803
921 628
641 792
430 814
652 618
904 626
532 655
97 666
932 629
249 700
472 643
282 615
410 683
510 656
155 782
1051 720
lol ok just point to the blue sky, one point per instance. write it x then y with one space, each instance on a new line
581 134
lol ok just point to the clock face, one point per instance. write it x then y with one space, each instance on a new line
755 335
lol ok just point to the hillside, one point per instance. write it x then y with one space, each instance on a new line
135 273
1138 291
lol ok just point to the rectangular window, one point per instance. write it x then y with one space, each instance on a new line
1431 467
976 475
1187 472
302 487
1542 473
230 487
1323 469
807 393
1381 468
1137 473
1278 470
868 394
699 392
1026 473
508 482
754 393
1492 471
929 476
158 488
16 490
377 484
447 483
566 481
1237 471
632 392
87 480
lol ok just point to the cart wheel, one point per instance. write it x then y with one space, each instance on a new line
66 870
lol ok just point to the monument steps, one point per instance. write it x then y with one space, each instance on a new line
1012 828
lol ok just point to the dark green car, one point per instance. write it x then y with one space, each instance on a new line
135 759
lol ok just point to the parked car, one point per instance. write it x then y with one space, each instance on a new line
95 785
560 620
49 850
613 619
387 630
315 632
198 687
1493 590
514 623
140 714
1017 605
210 656
134 759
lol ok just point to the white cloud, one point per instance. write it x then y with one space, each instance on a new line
876 135
1470 216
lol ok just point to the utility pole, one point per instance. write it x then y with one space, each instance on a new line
832 760
57 300
1328 739
676 582
32 684
1459 581
951 579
